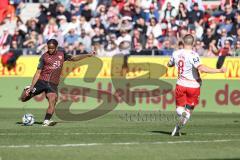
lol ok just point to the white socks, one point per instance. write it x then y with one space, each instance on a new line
186 116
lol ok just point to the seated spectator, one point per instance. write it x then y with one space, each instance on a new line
86 26
151 43
171 36
137 13
111 48
138 39
61 11
195 15
223 38
182 13
80 49
237 49
190 5
113 25
155 28
98 24
141 26
71 38
75 24
169 12
86 12
63 25
85 39
166 49
199 48
50 30
32 25
17 38
33 39
208 37
98 37
126 23
125 36
228 11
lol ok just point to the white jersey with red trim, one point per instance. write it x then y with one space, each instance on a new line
187 63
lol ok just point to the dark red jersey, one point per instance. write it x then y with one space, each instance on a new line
51 66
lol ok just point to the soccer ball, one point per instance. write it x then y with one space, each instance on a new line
28 119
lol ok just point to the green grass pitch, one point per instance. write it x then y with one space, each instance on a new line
116 137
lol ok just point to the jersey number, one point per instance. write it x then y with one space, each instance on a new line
56 64
180 67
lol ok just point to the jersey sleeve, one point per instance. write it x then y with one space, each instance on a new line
195 60
41 63
67 57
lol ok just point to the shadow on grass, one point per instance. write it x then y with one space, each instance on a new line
166 132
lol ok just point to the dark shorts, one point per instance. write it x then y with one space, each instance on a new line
44 86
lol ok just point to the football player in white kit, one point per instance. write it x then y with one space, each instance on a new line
188 84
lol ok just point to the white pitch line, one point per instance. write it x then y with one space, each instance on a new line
109 133
117 144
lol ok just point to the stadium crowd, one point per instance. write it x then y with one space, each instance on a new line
137 27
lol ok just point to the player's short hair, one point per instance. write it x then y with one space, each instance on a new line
188 39
52 41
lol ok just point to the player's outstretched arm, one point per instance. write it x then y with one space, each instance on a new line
80 57
206 69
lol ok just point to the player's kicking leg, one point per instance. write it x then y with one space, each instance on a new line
52 100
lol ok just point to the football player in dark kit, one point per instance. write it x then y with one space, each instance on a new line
47 77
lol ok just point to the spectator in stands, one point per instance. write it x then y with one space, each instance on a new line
195 15
137 13
237 49
61 11
228 12
223 38
171 36
169 12
98 24
33 26
50 30
199 48
86 26
167 50
138 39
98 37
154 28
190 5
153 12
102 13
17 38
208 37
141 26
152 42
71 38
86 12
182 13
81 49
85 39
52 8
124 36
33 40
111 48
42 19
